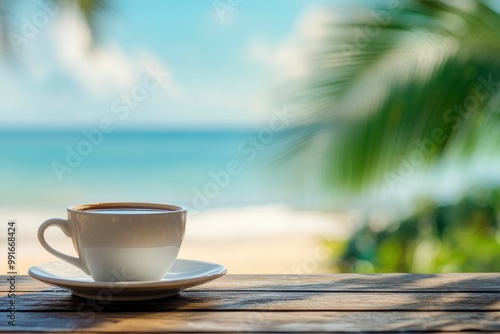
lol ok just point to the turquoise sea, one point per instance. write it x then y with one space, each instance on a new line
198 169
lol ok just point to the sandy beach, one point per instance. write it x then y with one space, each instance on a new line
258 240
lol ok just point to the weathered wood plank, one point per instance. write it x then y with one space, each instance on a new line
276 303
265 301
144 322
335 282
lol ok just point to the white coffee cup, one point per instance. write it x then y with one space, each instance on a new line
121 241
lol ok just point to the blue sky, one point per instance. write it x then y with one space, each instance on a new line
222 66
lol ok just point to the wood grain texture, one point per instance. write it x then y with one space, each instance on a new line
274 303
147 322
487 282
267 301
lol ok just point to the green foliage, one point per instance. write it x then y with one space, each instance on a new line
90 10
388 78
415 79
461 237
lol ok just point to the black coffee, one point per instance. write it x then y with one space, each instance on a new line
126 211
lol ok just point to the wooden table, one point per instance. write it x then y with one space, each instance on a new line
274 303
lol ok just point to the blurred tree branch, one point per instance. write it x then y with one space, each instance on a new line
402 84
90 10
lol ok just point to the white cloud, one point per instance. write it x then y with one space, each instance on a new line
290 59
99 68
105 73
169 88
102 75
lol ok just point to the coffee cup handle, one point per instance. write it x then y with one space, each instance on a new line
63 225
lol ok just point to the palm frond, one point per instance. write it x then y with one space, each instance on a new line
373 106
91 11
3 24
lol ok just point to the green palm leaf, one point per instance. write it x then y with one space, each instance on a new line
385 87
91 11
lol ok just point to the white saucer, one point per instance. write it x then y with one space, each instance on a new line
183 274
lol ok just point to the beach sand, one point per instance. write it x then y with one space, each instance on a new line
249 240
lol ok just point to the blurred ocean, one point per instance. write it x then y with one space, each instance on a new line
242 219
58 168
